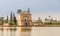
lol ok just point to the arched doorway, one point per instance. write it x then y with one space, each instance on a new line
27 24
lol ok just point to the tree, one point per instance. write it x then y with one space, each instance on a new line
11 19
7 19
2 19
15 21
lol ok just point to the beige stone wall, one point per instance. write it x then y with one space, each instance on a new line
19 22
21 18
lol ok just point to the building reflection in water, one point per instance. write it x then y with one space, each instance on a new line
26 31
15 31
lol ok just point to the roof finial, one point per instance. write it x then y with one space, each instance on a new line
28 10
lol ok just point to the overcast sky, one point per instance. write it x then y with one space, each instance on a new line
38 8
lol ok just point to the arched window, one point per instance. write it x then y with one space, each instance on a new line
25 18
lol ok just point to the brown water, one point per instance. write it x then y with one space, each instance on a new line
35 31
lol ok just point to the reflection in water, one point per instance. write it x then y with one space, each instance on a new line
1 31
26 31
30 31
14 31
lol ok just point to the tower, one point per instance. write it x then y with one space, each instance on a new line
24 18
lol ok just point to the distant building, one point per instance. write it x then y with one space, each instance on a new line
38 22
25 18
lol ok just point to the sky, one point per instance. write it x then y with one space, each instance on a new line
38 8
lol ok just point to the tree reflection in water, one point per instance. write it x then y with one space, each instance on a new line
1 31
11 31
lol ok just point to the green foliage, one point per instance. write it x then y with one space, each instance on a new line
48 23
11 22
1 20
15 21
52 23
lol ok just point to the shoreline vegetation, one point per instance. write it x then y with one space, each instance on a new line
30 26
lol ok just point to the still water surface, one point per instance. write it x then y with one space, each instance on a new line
35 31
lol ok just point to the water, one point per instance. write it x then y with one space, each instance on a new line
34 31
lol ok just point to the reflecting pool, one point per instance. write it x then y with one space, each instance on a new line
29 31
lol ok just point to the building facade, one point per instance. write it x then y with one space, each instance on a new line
25 18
